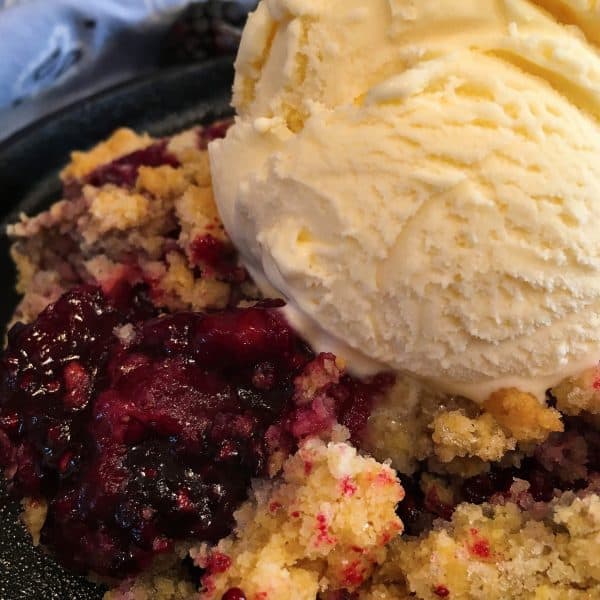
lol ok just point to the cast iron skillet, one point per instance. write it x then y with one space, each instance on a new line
160 104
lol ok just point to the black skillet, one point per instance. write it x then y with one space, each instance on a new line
160 104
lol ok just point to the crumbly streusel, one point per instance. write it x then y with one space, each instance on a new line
145 231
502 552
323 525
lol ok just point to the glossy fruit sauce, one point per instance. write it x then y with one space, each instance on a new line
141 429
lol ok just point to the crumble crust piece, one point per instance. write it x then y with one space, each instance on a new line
121 142
522 415
33 517
324 526
501 552
144 219
579 394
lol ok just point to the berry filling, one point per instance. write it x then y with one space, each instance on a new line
217 257
123 171
213 132
141 430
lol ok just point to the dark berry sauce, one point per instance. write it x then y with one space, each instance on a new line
139 440
138 446
569 460
217 257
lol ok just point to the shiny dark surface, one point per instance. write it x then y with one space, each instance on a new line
137 445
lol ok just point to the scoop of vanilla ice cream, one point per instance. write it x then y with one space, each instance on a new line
421 181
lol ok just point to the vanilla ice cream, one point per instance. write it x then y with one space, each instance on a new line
420 179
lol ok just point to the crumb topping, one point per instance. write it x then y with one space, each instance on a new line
522 415
319 528
123 141
136 206
580 394
501 552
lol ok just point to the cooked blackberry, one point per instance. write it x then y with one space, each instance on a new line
137 446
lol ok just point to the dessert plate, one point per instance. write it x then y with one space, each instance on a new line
160 104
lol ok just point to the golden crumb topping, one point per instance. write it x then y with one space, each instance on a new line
178 288
121 142
162 182
503 553
522 415
575 395
457 435
113 207
324 526
149 229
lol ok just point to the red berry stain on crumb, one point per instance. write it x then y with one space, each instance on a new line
384 479
217 257
354 574
218 563
323 535
335 397
274 507
385 538
208 583
123 171
480 547
441 591
348 486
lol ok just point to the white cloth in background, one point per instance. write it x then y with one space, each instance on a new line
53 52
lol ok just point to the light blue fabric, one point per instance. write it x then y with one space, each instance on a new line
55 51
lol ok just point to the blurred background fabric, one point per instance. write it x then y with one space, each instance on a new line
53 52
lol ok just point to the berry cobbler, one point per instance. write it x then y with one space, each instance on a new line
169 432
343 347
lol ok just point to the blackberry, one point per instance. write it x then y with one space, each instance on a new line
204 30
